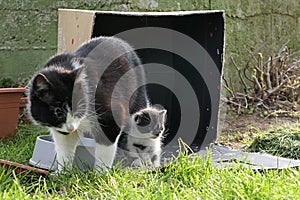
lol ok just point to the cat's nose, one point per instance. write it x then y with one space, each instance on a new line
70 128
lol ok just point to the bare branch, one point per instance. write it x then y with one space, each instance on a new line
274 90
257 83
268 78
274 80
239 73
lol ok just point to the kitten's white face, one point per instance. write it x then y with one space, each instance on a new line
149 123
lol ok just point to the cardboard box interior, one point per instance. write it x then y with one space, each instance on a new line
204 27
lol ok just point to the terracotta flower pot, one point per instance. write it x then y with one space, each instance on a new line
23 102
10 99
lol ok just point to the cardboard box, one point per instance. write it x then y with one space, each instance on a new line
182 53
183 57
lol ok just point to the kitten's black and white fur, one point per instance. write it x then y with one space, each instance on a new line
142 145
90 91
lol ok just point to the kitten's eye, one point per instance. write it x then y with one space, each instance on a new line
136 119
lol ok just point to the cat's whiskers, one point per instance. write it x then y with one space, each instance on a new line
91 116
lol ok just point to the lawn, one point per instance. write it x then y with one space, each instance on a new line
181 179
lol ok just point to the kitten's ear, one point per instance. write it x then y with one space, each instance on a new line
163 112
41 83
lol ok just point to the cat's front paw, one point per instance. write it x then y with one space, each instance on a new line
101 168
57 173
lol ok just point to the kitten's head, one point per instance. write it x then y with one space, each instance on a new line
50 94
149 122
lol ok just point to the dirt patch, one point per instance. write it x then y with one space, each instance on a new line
238 130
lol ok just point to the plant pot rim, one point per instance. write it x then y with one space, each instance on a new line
11 90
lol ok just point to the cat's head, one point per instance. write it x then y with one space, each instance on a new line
149 122
50 94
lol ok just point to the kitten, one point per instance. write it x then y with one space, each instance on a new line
90 91
143 144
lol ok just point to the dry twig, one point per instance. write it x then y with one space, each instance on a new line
276 79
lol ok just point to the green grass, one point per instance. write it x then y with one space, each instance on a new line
20 147
283 141
182 179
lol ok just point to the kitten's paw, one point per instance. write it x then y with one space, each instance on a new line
137 163
156 164
101 171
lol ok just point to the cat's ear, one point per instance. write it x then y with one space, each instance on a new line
77 63
41 83
42 87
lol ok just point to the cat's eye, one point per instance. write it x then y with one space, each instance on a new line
58 112
42 92
65 107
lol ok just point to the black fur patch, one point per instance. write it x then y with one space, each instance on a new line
143 119
122 143
140 146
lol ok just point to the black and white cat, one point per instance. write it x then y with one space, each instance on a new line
93 91
142 146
